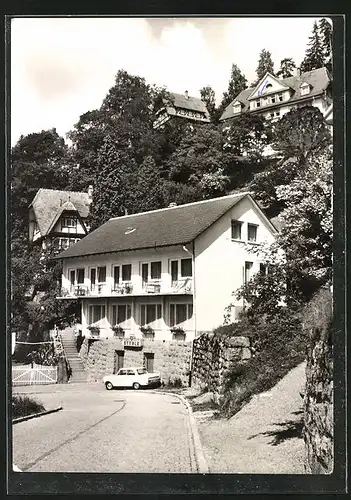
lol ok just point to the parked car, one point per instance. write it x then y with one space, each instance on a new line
135 377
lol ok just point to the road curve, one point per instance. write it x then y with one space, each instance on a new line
106 431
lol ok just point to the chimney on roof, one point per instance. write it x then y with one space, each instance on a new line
90 193
172 204
298 72
186 94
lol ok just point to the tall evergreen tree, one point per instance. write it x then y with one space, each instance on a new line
287 67
326 33
265 63
237 83
314 57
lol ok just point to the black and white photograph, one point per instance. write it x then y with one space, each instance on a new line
171 245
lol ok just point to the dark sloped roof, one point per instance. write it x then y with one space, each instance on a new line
318 79
48 204
165 227
191 103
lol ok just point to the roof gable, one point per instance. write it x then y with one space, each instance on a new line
48 206
267 85
319 79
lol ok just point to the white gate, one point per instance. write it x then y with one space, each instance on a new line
38 374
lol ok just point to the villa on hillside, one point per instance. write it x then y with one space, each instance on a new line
182 106
57 219
273 97
167 273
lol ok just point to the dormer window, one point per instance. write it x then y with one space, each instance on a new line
237 107
305 89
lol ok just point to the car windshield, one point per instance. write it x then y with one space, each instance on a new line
141 371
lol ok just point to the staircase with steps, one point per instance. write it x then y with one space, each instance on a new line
78 374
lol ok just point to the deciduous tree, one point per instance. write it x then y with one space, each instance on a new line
301 133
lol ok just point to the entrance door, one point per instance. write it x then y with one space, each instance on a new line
119 360
72 279
174 271
144 272
149 361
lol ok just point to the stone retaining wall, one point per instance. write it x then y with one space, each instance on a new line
318 407
318 401
171 359
213 357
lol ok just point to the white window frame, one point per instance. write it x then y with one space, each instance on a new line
173 312
75 269
249 224
248 271
237 108
156 324
97 275
240 223
73 222
126 324
149 279
305 89
61 245
180 276
95 284
91 313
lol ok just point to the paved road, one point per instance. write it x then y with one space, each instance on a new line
104 431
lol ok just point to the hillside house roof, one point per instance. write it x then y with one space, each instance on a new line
318 79
159 228
186 102
49 204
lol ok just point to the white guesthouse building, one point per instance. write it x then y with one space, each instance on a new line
168 269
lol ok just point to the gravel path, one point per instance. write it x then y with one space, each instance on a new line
264 437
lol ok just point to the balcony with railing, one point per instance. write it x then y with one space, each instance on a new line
182 286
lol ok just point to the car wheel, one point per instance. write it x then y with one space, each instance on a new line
108 386
136 386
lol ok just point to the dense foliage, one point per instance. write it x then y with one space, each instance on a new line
22 406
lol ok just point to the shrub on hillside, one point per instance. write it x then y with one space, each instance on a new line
23 406
43 354
279 346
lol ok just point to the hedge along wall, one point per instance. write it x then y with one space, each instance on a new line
213 357
318 402
171 359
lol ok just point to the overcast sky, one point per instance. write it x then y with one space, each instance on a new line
63 67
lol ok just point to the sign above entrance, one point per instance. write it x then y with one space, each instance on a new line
132 342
